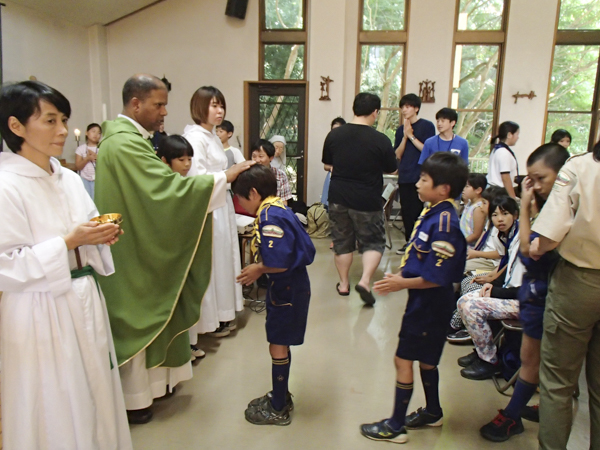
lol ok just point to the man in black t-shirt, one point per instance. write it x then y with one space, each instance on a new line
360 156
410 138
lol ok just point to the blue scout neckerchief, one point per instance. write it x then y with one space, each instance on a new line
425 211
265 205
512 234
502 144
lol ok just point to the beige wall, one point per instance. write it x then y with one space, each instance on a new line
193 43
56 53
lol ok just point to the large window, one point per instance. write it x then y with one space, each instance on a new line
478 55
382 37
574 94
283 40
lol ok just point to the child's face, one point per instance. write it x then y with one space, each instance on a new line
180 165
444 125
427 192
502 220
543 178
216 112
94 135
565 142
485 206
261 157
252 203
512 138
44 133
470 193
408 111
223 135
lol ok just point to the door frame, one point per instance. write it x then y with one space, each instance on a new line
247 143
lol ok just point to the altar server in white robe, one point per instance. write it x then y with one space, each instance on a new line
223 296
60 381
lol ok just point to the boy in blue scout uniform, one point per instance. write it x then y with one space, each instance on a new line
435 258
285 250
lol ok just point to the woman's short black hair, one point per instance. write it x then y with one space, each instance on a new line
22 100
559 135
477 181
447 168
173 147
506 204
258 177
267 146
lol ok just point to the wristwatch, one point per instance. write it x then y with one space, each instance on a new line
412 138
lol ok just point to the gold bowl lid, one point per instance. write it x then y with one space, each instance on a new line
115 218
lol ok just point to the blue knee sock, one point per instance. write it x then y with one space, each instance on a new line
280 374
522 394
431 383
403 395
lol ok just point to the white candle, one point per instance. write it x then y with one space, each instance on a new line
77 133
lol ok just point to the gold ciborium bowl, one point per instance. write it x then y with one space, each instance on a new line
115 218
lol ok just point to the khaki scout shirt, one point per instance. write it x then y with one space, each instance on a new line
571 215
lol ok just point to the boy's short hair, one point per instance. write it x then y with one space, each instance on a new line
477 181
268 147
447 168
365 103
338 121
447 113
411 100
492 192
173 147
506 204
227 126
258 177
22 100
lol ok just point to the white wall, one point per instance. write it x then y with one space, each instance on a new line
529 49
194 44
53 51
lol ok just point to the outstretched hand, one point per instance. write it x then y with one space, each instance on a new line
233 172
390 283
249 274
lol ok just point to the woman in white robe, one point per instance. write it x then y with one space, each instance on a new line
60 381
224 295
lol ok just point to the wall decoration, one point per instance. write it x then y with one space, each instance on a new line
530 96
427 91
325 88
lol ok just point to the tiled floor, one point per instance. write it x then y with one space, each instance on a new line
341 377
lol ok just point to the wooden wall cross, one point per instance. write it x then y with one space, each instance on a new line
325 88
517 96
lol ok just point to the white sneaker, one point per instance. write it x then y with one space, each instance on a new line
222 331
230 325
197 352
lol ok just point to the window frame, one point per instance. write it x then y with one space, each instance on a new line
382 37
281 37
576 37
482 37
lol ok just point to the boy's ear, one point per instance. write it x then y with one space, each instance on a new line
453 122
163 159
253 194
229 134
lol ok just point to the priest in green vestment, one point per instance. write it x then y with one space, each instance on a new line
163 262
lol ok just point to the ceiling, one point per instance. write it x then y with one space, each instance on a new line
86 12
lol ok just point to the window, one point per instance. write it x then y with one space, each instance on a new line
573 97
283 40
381 41
478 54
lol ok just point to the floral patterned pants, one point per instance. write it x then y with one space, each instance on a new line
476 311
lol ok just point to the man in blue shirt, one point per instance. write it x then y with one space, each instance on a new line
410 138
446 141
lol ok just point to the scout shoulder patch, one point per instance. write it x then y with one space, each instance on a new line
272 231
562 179
443 248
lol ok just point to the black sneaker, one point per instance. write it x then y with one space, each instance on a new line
265 414
466 361
139 416
459 337
531 413
402 250
421 418
381 431
502 428
267 398
480 370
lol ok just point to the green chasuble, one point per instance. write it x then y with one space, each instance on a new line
163 261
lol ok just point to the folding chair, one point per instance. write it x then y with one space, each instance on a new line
510 325
388 195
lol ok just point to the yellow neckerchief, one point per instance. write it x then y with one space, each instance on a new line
266 204
415 229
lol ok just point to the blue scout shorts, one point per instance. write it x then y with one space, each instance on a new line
287 308
424 325
531 316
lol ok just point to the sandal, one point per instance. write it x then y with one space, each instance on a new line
343 294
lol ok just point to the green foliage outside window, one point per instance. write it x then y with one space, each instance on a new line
284 62
284 14
579 15
480 14
383 15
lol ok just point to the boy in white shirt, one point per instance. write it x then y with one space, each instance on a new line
225 132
